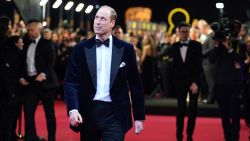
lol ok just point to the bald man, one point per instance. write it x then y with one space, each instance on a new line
39 80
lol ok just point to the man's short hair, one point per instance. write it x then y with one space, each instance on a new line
118 27
113 14
33 21
4 23
112 11
183 24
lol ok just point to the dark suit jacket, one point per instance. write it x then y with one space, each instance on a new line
190 70
225 71
11 70
81 81
45 58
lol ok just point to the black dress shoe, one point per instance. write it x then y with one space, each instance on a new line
189 139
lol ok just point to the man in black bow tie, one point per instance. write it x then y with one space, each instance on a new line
186 67
39 80
100 74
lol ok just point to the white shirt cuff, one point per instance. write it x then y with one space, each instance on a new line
74 110
43 74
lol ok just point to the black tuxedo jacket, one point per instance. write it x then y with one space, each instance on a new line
81 81
225 71
190 70
45 58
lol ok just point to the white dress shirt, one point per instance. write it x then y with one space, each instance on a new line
183 51
31 69
103 64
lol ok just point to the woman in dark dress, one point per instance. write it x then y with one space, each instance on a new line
147 64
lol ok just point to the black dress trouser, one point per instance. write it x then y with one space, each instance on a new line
181 91
35 93
229 104
102 124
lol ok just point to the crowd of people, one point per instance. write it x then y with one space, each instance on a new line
195 60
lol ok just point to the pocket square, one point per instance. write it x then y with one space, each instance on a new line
122 64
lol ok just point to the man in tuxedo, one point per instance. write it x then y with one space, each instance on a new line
40 81
185 57
100 74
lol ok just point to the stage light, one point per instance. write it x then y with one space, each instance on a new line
43 2
57 4
219 5
89 9
69 5
79 7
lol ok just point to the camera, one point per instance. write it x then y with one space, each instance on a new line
225 28
222 29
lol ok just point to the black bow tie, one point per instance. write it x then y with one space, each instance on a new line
99 42
33 41
184 44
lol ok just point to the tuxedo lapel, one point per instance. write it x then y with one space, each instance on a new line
178 52
189 51
90 53
117 53
39 46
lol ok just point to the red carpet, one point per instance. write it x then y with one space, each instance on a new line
157 128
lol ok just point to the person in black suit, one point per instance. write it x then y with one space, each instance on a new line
40 81
5 26
185 57
228 78
11 73
101 72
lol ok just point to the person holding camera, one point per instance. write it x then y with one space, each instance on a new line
227 84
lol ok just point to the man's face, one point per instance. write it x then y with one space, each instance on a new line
33 30
102 23
184 33
118 33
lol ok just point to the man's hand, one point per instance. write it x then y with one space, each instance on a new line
194 88
75 118
247 61
40 77
226 44
23 82
138 126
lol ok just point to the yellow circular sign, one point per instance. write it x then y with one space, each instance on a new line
170 16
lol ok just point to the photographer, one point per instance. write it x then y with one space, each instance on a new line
227 84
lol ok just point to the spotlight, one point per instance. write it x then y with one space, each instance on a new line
89 9
43 2
57 4
219 5
79 7
69 5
